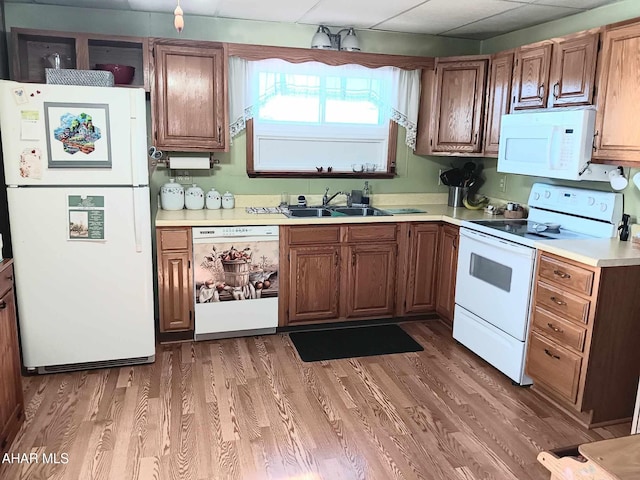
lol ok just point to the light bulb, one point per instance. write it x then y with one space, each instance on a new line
178 21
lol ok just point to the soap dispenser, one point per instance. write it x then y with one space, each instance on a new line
624 228
365 194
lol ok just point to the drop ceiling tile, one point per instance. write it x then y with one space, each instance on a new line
521 17
356 13
109 4
437 16
581 4
272 10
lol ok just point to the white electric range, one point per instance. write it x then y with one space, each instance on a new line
496 261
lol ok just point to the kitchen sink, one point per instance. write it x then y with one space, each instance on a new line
308 212
359 211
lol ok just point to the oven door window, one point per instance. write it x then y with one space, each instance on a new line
493 273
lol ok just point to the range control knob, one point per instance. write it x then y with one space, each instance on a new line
603 207
536 196
547 194
591 201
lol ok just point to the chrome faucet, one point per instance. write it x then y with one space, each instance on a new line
326 198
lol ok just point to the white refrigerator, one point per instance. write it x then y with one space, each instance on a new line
75 163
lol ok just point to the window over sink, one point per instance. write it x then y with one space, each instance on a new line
308 119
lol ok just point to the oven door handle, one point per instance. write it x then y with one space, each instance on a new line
497 243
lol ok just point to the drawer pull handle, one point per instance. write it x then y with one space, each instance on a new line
3 305
558 302
561 274
546 350
554 328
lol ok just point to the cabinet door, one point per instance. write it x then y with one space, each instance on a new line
371 279
498 99
573 71
175 292
421 295
190 98
457 117
314 283
617 128
11 402
447 268
531 77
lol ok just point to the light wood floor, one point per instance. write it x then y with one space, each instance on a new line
248 408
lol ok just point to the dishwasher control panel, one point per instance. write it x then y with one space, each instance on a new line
235 231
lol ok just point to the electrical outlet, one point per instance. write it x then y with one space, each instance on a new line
439 174
502 183
183 176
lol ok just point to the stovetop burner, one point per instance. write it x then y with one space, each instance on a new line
526 229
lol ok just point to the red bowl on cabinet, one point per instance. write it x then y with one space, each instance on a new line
122 74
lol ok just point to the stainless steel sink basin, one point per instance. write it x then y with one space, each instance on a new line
360 211
308 212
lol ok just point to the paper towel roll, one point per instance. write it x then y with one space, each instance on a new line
189 163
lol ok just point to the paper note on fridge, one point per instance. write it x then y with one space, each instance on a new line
86 217
31 127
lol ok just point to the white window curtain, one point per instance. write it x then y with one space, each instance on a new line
399 95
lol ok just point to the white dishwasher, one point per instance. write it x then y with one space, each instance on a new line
235 278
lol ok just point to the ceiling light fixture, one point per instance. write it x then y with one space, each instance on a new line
323 39
178 19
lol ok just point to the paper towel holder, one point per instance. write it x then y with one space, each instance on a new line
176 162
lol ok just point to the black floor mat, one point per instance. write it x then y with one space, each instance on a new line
353 342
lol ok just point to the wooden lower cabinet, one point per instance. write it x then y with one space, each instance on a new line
447 270
314 279
422 268
336 273
371 279
175 284
11 398
583 345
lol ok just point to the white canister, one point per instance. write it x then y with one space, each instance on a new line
228 200
172 196
214 199
194 198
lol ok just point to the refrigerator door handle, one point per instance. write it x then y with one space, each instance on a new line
138 205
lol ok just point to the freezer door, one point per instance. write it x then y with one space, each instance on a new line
79 300
42 144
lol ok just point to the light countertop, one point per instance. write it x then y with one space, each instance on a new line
607 252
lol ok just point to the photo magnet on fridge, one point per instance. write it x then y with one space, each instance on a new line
78 135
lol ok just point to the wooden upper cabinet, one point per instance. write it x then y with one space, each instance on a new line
458 104
618 95
573 71
498 99
34 50
531 77
190 94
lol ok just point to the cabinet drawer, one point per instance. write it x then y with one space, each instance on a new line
565 333
554 367
565 274
565 304
6 279
177 239
382 232
314 235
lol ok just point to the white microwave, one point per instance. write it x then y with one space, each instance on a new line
553 144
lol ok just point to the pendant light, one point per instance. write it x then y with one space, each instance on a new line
178 19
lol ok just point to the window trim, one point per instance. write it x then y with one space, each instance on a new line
329 57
